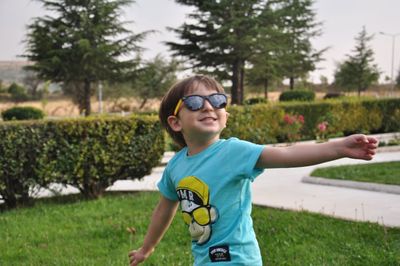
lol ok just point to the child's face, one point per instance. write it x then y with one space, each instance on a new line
204 124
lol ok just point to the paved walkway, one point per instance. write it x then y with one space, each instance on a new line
283 188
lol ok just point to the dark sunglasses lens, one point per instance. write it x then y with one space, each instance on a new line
218 100
194 102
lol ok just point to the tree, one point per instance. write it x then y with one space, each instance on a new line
220 38
31 82
358 72
298 21
18 93
154 78
398 79
82 43
266 60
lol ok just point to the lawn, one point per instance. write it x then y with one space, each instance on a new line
383 173
71 231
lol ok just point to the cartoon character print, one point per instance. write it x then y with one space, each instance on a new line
197 212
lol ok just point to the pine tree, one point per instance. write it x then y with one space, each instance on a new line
298 21
81 43
358 72
220 39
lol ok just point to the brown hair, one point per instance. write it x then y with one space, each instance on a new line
175 93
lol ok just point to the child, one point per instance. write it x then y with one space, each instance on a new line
210 177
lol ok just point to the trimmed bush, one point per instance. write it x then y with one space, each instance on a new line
89 154
264 123
22 113
257 100
259 123
333 95
297 95
20 145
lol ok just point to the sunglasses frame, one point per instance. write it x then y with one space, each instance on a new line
207 97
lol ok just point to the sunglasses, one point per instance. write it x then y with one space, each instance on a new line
196 102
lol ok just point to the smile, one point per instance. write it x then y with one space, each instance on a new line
208 119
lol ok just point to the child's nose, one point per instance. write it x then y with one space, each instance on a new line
207 105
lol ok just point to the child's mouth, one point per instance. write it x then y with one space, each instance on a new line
208 119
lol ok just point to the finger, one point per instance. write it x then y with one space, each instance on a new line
361 139
373 140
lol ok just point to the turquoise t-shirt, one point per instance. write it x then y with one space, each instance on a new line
213 188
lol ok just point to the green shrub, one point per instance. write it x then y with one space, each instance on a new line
89 154
256 100
18 93
22 113
333 95
263 123
20 145
297 95
256 123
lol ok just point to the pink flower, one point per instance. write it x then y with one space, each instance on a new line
301 119
322 126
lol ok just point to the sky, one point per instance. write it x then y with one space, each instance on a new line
342 20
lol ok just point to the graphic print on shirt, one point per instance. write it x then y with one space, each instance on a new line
198 214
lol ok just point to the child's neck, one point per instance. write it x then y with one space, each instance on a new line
196 146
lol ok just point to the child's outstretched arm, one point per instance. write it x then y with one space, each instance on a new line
160 221
355 146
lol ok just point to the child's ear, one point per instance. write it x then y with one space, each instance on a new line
174 123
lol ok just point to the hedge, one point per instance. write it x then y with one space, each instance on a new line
89 154
264 123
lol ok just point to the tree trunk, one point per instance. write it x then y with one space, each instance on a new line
241 83
237 82
86 94
266 83
291 79
143 103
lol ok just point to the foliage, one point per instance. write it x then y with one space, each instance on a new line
291 127
20 145
321 130
298 20
256 100
358 72
297 95
262 123
81 44
18 93
32 82
267 55
398 79
154 78
220 38
333 95
89 154
22 113
95 233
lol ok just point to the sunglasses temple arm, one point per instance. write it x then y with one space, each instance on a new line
178 105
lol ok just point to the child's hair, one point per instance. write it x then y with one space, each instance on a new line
175 93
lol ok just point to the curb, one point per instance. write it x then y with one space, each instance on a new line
393 189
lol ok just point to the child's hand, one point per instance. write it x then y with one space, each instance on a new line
137 256
359 147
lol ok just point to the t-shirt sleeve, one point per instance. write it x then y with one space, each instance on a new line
244 156
166 186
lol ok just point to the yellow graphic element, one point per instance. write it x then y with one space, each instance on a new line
194 196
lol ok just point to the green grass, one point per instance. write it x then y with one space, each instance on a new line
383 173
71 231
